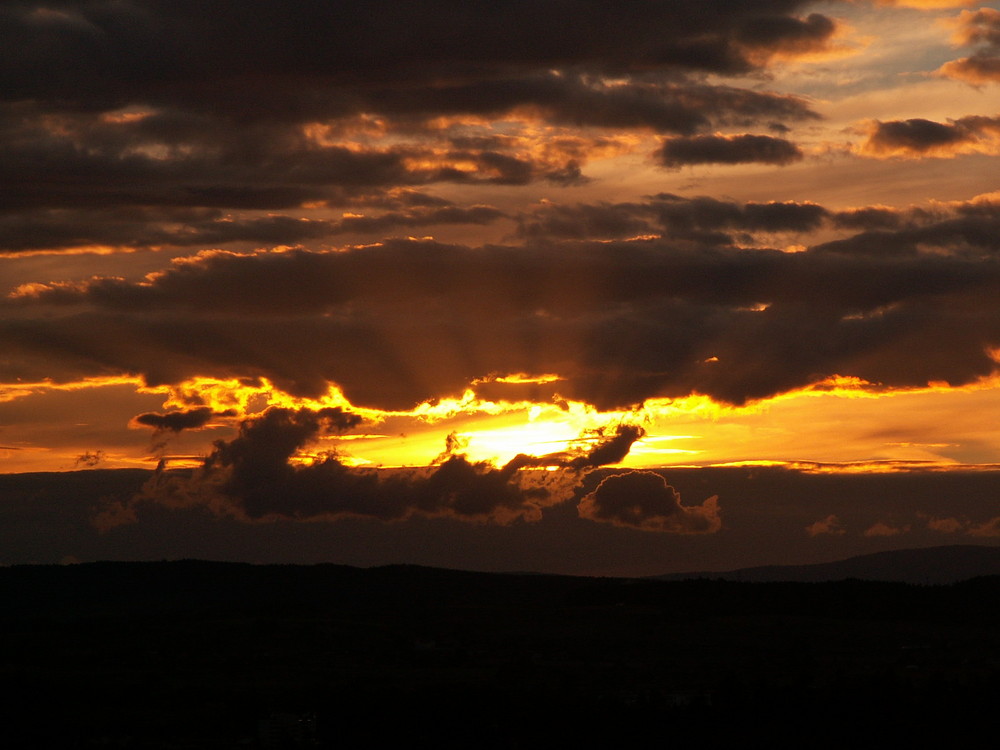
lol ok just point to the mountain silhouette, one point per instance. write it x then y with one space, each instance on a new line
932 565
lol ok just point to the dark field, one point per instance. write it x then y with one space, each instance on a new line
213 655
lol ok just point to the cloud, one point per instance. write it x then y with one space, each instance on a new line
727 149
246 126
607 449
881 528
175 421
945 525
828 526
917 137
970 232
65 53
980 27
89 459
611 449
643 500
140 228
701 219
928 4
990 528
869 217
401 322
272 471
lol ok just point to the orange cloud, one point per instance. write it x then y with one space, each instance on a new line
928 4
945 525
828 526
884 529
989 528
981 27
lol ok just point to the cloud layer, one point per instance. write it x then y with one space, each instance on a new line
624 302
145 123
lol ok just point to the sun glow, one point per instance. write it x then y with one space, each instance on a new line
844 422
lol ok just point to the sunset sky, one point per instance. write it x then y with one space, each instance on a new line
413 275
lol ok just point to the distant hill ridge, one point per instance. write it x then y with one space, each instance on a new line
931 565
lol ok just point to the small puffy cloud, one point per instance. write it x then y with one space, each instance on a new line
977 69
175 421
980 27
881 528
643 500
610 450
727 149
988 529
89 459
829 526
945 525
917 137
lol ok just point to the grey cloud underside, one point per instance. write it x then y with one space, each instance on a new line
621 320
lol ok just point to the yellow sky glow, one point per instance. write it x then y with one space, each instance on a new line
839 422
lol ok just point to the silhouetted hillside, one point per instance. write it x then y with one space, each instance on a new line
217 655
934 565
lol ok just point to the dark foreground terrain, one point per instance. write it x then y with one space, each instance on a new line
212 655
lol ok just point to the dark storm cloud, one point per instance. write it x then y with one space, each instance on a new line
727 149
982 28
401 322
917 137
251 477
643 500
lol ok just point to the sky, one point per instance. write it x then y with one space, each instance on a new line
512 285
